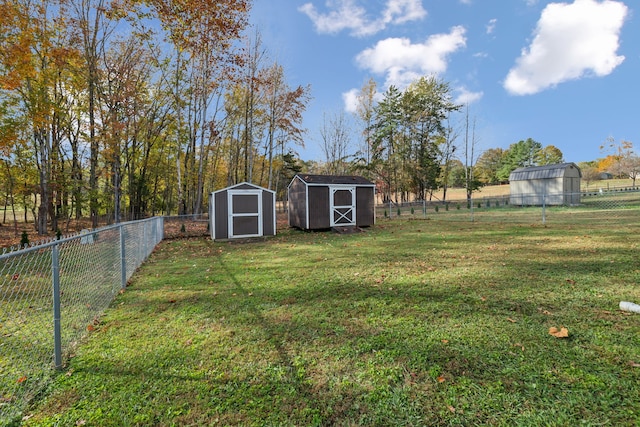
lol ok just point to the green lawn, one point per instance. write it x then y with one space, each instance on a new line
413 322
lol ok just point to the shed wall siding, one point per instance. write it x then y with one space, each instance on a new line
319 217
365 209
221 215
268 213
298 204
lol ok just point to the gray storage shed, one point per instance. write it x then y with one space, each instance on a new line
557 184
242 210
319 202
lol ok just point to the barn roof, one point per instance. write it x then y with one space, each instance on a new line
334 179
542 172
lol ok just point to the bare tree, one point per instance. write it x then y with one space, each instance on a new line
471 182
336 136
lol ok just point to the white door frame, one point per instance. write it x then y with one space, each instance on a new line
351 208
258 214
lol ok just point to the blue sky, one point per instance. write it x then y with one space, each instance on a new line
563 73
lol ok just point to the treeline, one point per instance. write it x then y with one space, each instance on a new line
133 108
417 143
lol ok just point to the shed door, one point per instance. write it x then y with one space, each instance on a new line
245 213
343 206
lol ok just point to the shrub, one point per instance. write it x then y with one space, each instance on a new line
436 208
457 206
24 239
183 228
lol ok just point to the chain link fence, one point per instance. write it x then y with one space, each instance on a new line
51 294
560 208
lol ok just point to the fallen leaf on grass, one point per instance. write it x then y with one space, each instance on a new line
559 333
511 320
634 364
21 379
571 281
91 328
451 408
441 379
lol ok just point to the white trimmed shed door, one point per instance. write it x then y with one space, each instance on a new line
342 206
245 213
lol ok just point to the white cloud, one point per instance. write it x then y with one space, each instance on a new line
466 97
401 11
402 61
348 15
350 100
491 26
571 41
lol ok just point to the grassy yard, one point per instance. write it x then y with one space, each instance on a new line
411 323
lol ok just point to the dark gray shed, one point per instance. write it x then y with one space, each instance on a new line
242 210
557 184
319 202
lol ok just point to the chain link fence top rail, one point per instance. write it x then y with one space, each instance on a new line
560 208
51 294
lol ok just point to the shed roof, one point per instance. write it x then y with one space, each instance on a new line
334 179
244 186
542 172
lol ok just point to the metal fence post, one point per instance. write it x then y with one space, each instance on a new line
123 259
544 209
57 333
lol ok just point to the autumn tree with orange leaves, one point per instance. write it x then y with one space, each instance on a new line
622 162
112 120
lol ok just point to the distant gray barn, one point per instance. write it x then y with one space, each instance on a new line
242 210
552 184
324 201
